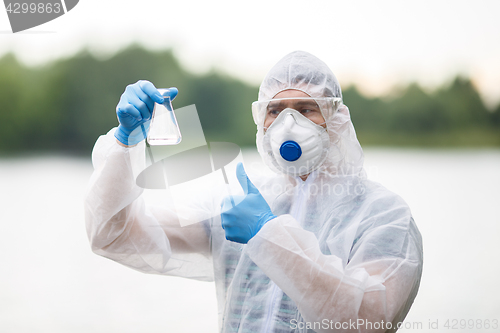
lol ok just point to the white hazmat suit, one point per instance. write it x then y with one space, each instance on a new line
341 250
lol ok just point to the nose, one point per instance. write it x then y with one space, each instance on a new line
289 120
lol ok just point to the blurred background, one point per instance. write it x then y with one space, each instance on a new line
421 79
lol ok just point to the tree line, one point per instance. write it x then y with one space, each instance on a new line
64 106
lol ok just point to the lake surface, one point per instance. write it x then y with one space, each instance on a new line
50 281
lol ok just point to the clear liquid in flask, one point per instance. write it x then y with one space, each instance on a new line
163 129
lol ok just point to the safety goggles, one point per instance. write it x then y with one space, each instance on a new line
308 106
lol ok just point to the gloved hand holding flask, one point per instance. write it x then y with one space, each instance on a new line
248 215
135 109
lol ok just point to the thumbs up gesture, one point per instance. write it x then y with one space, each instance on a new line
242 221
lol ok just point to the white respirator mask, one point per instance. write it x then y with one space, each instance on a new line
296 145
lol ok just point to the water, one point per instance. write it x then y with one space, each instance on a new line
454 198
51 281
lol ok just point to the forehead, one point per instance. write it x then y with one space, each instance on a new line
289 93
292 103
292 98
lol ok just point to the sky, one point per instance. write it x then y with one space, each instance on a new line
376 45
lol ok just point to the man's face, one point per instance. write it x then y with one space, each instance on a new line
308 108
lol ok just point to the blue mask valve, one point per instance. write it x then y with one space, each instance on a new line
290 151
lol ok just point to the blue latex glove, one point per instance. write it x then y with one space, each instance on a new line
135 109
251 212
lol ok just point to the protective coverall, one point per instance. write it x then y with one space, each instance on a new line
342 248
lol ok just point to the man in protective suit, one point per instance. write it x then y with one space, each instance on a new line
317 247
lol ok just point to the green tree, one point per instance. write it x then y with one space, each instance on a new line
67 104
462 104
414 111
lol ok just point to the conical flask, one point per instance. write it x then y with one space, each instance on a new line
163 129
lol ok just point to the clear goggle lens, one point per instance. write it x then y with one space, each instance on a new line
312 108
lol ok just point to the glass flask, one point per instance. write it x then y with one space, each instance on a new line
163 129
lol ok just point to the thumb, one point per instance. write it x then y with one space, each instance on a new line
246 184
172 93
